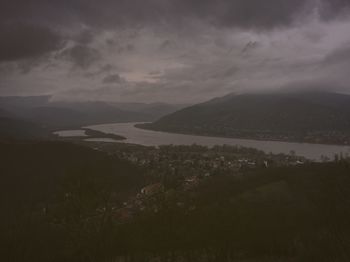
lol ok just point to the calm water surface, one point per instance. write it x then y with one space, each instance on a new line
154 138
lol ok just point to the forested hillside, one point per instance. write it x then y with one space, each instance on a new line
306 117
63 202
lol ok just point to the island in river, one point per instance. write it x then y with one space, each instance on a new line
87 133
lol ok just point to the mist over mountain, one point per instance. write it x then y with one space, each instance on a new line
295 116
57 114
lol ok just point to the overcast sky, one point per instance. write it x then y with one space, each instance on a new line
175 51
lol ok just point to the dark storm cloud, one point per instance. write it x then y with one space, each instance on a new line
85 37
115 78
240 13
330 8
28 21
81 56
204 47
21 41
40 11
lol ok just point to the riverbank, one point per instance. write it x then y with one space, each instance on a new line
145 137
324 139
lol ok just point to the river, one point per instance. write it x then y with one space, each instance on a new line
155 138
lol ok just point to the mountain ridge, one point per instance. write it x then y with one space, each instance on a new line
317 117
62 114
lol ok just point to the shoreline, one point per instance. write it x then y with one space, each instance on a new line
141 126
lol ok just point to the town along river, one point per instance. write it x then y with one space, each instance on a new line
154 138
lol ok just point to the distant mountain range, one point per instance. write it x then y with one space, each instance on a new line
21 115
66 114
318 117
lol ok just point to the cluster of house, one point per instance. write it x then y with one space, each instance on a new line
189 167
227 157
139 203
209 162
147 199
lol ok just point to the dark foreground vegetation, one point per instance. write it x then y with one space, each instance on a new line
65 202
